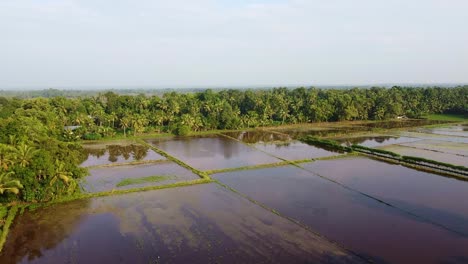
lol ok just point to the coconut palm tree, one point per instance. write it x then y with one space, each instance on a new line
7 156
24 154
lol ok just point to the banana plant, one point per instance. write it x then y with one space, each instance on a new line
7 184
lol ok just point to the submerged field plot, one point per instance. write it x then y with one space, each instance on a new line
112 152
212 152
196 224
274 199
368 227
135 176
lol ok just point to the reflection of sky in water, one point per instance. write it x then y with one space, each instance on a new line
106 179
196 224
362 224
375 141
425 194
456 130
429 154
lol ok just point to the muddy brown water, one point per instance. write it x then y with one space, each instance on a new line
195 224
212 152
364 225
108 154
106 179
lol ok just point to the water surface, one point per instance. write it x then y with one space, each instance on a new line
196 224
364 225
295 150
212 152
102 154
106 179
375 141
256 136
429 195
429 154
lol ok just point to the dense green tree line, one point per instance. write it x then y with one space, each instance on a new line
39 159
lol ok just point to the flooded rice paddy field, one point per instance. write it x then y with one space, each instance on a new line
429 154
460 130
107 179
344 209
373 141
424 194
212 152
195 224
295 150
117 152
366 226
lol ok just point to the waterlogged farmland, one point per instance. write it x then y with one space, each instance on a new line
274 199
117 152
195 224
212 152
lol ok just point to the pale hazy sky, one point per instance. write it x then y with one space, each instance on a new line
92 43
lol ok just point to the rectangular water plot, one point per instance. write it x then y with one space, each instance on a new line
295 150
431 196
460 149
212 152
195 224
117 152
438 137
429 154
366 226
459 130
135 176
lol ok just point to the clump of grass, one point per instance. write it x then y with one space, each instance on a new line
8 221
132 181
326 144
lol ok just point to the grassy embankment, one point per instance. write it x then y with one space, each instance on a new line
447 117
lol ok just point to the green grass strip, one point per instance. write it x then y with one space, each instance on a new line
447 117
132 181
375 151
326 144
252 167
6 227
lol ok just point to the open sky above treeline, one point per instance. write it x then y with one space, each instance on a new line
177 43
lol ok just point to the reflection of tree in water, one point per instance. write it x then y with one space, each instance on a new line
137 152
257 136
35 232
359 140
